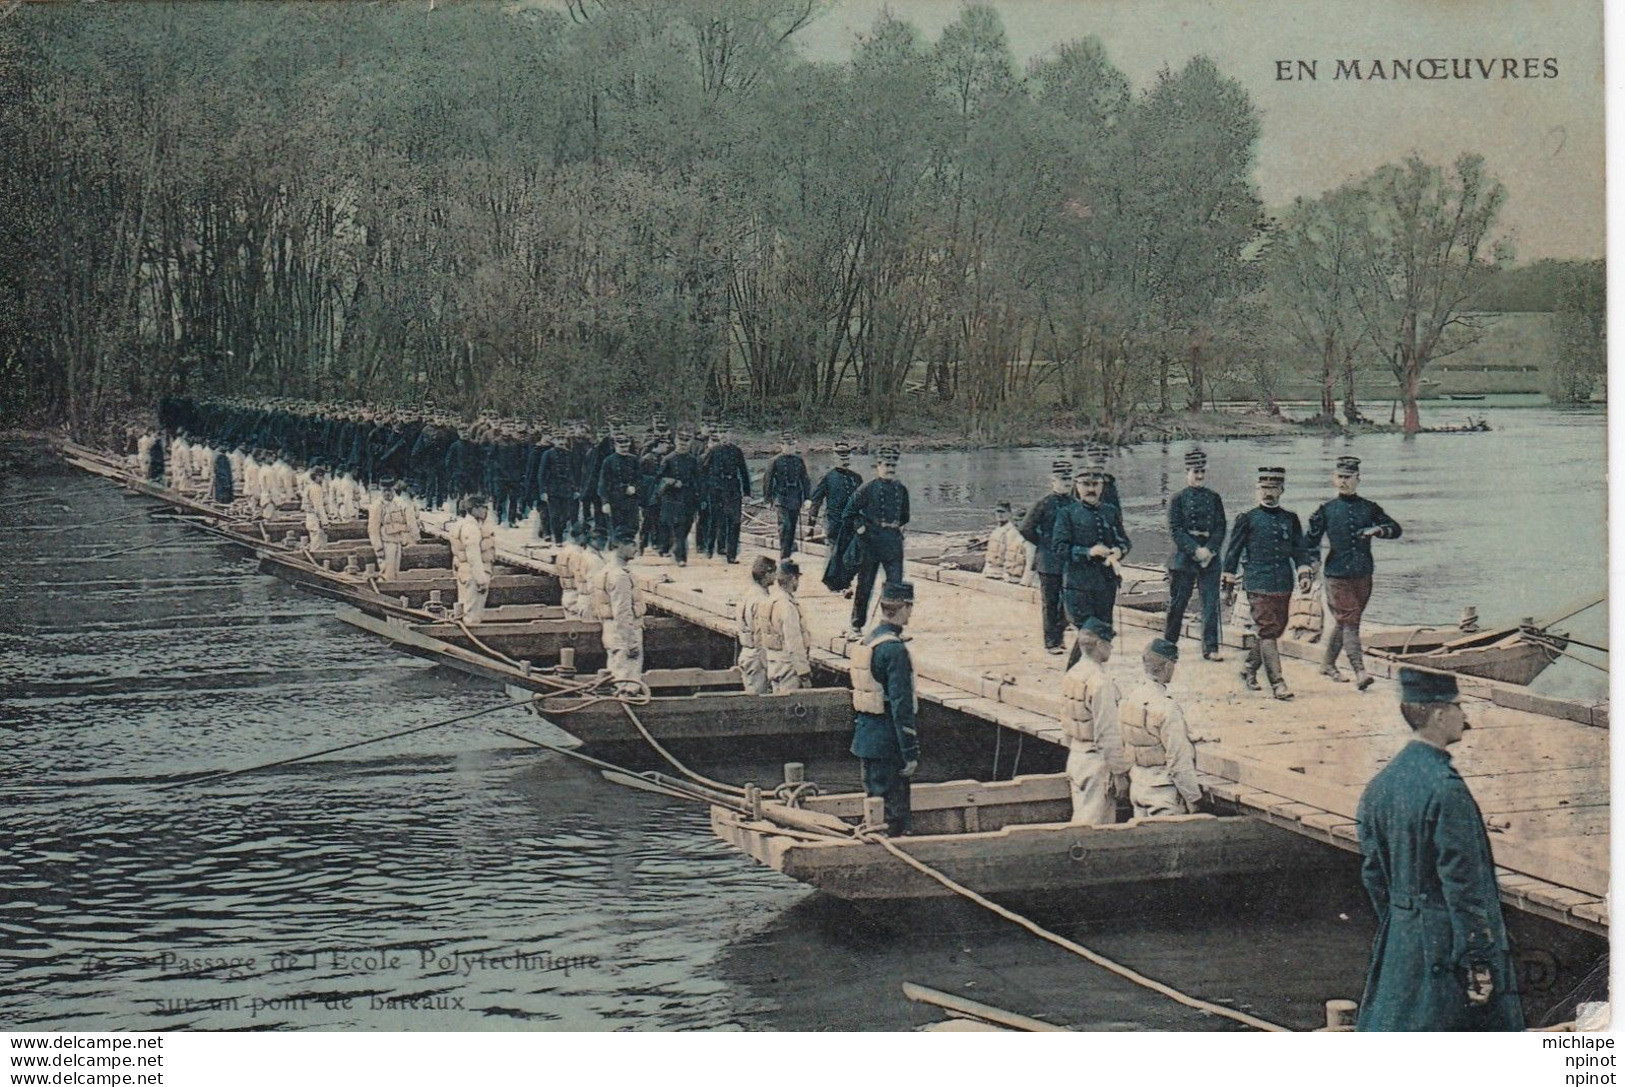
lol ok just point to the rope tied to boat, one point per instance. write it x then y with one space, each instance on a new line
1073 946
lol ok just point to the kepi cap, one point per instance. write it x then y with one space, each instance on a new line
1417 686
1099 628
1347 465
899 591
1165 649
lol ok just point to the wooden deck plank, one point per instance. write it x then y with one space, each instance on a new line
976 647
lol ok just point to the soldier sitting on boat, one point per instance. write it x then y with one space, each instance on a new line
1000 541
1162 779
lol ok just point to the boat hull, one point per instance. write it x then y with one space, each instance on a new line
1020 859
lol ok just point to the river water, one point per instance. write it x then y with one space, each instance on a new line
454 880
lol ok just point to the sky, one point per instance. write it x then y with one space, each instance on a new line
1543 138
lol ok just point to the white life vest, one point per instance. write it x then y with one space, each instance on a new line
1077 689
868 696
993 564
1142 730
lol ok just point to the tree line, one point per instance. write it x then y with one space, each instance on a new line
625 204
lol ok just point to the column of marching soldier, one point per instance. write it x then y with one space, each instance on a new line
1131 745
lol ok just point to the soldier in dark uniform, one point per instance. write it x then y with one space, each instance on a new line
874 520
727 483
1088 542
556 488
832 494
591 505
884 734
1440 960
617 488
1099 454
650 528
702 520
1037 527
1349 522
678 493
224 491
1271 540
785 484
1197 523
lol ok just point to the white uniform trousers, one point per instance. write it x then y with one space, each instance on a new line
781 671
753 668
391 569
316 532
1152 792
625 658
1091 778
471 600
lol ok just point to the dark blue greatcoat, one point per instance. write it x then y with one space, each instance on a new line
1271 541
1431 877
1343 522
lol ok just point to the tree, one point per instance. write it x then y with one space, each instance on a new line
1313 261
1427 256
1582 332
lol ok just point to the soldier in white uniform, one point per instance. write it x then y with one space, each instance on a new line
1097 765
783 633
752 656
999 542
399 529
1162 780
589 561
1019 554
619 607
473 555
313 503
376 506
565 559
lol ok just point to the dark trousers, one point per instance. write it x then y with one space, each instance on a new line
724 533
592 514
676 531
1081 604
868 567
884 777
787 532
1049 589
1181 584
623 519
702 530
648 527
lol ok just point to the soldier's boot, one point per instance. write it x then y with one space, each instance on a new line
1328 657
1272 668
1249 670
1356 652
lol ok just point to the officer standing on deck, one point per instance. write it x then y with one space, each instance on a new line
1197 523
1349 522
1089 541
1440 960
1271 541
786 486
839 484
727 483
884 734
874 521
678 493
1038 529
617 488
1162 779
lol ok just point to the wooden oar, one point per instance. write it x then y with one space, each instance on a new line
971 1009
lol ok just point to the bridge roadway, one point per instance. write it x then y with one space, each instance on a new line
1539 767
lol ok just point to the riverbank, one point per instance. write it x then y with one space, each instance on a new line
925 434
